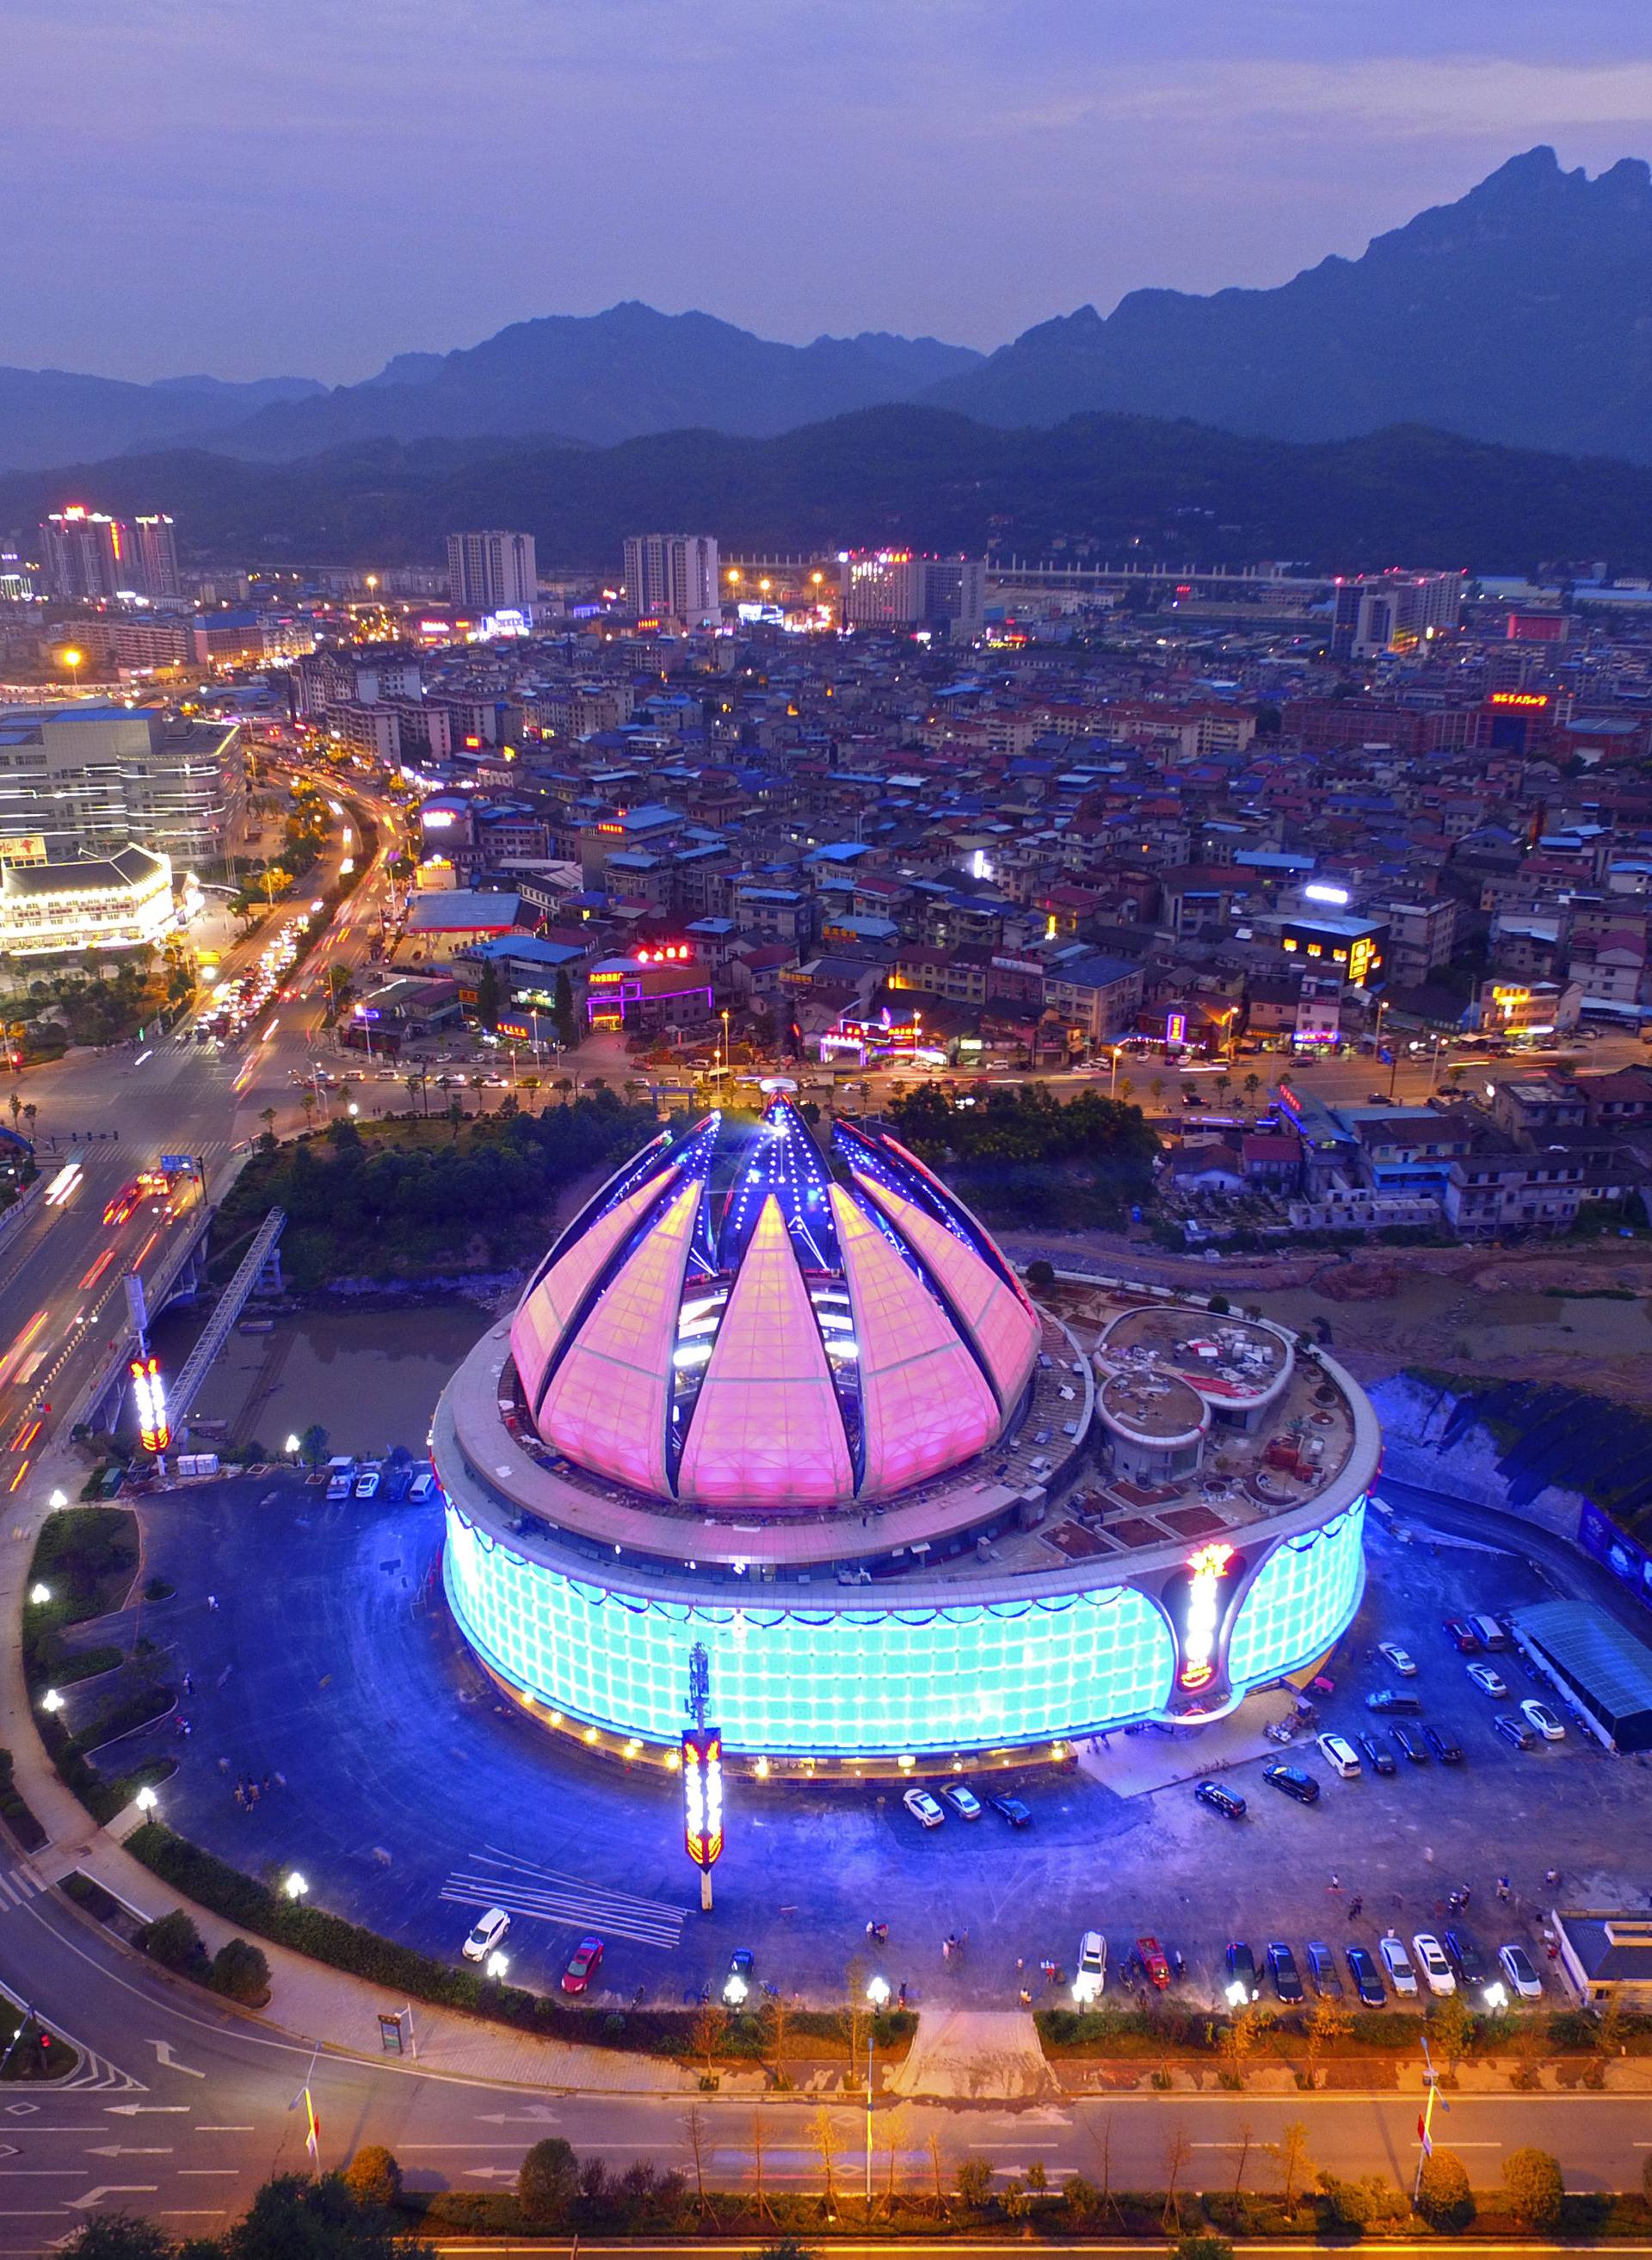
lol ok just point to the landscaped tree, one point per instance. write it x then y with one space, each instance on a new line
1444 2197
373 2176
1252 1085
1201 2247
240 1972
1451 2024
973 2180
547 2182
119 2236
312 1445
1535 2190
1290 2155
173 1942
320 2219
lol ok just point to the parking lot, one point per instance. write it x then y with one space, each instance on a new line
413 1797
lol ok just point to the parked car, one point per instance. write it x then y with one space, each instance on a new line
1227 1802
1282 1968
1431 1960
1463 1635
1444 1744
1409 1745
1542 1721
1466 1958
1012 1809
737 1983
1366 1983
1489 1680
1514 1730
1322 1971
1291 1781
1397 1962
1155 1963
1242 1982
923 1807
1399 1657
366 1484
1341 1755
582 1965
1093 1966
485 1938
1516 1965
963 1799
421 1487
1387 1700
1375 1756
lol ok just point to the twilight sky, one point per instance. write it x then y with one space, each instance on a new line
307 188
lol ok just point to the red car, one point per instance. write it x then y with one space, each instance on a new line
122 1204
1462 1636
1155 1963
582 1965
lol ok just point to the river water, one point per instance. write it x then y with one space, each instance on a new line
370 1377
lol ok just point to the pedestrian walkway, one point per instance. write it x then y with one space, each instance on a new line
975 2056
1136 1765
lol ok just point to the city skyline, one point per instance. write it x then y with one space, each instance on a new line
1013 173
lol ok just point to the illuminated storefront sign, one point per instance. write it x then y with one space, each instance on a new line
1530 699
149 1390
703 1795
1206 1569
1323 894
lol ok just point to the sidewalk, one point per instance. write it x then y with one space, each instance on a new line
314 2004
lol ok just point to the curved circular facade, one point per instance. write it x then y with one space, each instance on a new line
793 1407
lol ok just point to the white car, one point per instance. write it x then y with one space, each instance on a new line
1092 1967
484 1939
1517 1968
1431 1958
963 1799
1397 1963
367 1486
923 1807
1398 1657
1339 1755
1542 1721
1489 1679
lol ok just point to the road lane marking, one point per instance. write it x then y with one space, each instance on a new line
163 2055
226 2130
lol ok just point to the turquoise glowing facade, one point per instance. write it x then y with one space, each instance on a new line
833 1682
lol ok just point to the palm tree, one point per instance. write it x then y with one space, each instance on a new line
415 1083
1252 1085
308 1102
30 1110
530 1083
1157 1089
266 1116
16 1109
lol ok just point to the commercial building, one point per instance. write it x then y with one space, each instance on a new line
94 559
673 576
122 902
1606 1956
492 572
155 556
899 589
85 554
88 779
791 1405
1394 612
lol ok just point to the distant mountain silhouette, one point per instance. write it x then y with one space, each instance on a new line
603 378
1522 313
52 416
1093 488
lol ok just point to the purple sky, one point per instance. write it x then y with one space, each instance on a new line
309 187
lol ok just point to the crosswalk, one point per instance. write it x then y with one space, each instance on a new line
18 1887
495 1878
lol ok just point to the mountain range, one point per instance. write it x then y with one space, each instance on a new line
1522 313
1093 488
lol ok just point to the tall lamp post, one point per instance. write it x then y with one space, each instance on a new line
877 1994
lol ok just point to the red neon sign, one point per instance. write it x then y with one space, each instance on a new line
1206 1568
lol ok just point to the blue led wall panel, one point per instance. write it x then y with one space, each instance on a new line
824 1681
1302 1599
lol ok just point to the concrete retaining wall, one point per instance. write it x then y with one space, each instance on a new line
1426 1442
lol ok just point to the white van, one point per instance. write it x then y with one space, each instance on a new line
1490 1633
1341 1756
421 1487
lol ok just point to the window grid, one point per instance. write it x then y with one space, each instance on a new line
826 1682
1302 1598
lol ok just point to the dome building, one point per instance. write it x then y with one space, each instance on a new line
795 1405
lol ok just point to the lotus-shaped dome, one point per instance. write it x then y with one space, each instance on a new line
735 1321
